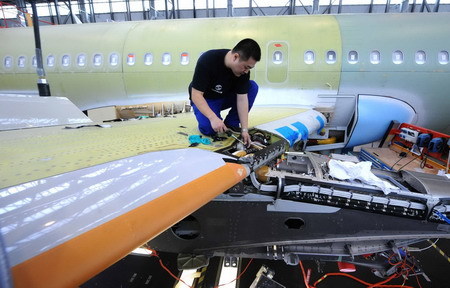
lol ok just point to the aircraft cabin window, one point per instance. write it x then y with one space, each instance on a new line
131 59
97 60
421 57
375 57
309 57
81 60
34 61
277 57
21 61
443 57
65 60
148 59
331 57
184 58
166 59
352 57
50 60
114 59
7 62
397 57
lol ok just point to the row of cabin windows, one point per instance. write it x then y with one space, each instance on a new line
309 58
420 57
97 60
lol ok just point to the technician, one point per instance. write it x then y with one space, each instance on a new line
222 80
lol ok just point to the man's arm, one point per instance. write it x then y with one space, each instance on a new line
199 101
242 108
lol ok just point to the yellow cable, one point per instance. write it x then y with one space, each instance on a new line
439 250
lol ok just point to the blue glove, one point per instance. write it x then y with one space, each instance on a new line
199 140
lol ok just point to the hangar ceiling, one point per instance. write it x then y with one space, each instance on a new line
88 11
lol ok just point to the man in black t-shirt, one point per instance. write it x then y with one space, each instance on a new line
222 80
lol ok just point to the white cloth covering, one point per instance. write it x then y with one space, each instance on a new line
345 170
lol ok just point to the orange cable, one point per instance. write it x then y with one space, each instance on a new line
341 274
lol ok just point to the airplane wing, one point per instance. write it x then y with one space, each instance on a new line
75 199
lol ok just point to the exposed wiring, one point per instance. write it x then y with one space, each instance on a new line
304 275
401 155
439 250
239 276
155 254
424 161
407 163
404 270
442 216
414 249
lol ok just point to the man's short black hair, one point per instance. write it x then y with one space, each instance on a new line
248 48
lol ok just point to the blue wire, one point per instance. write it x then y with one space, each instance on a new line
442 216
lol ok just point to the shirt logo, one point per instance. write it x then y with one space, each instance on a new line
218 89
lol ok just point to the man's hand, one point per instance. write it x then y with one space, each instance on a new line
246 138
218 125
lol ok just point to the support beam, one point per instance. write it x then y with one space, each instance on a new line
50 13
315 8
22 7
436 6
371 6
111 11
425 6
152 8
128 12
92 11
292 7
405 6
144 13
328 9
388 6
413 7
83 14
230 12
43 86
58 15
167 9
72 18
174 15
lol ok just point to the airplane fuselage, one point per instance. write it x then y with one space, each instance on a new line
400 57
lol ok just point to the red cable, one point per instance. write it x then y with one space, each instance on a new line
155 254
402 264
304 275
239 276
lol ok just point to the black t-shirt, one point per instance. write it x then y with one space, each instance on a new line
214 79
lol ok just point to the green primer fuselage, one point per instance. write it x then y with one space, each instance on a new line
285 74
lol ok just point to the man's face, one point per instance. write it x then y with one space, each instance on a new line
239 67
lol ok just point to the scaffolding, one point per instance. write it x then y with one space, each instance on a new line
89 11
13 16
